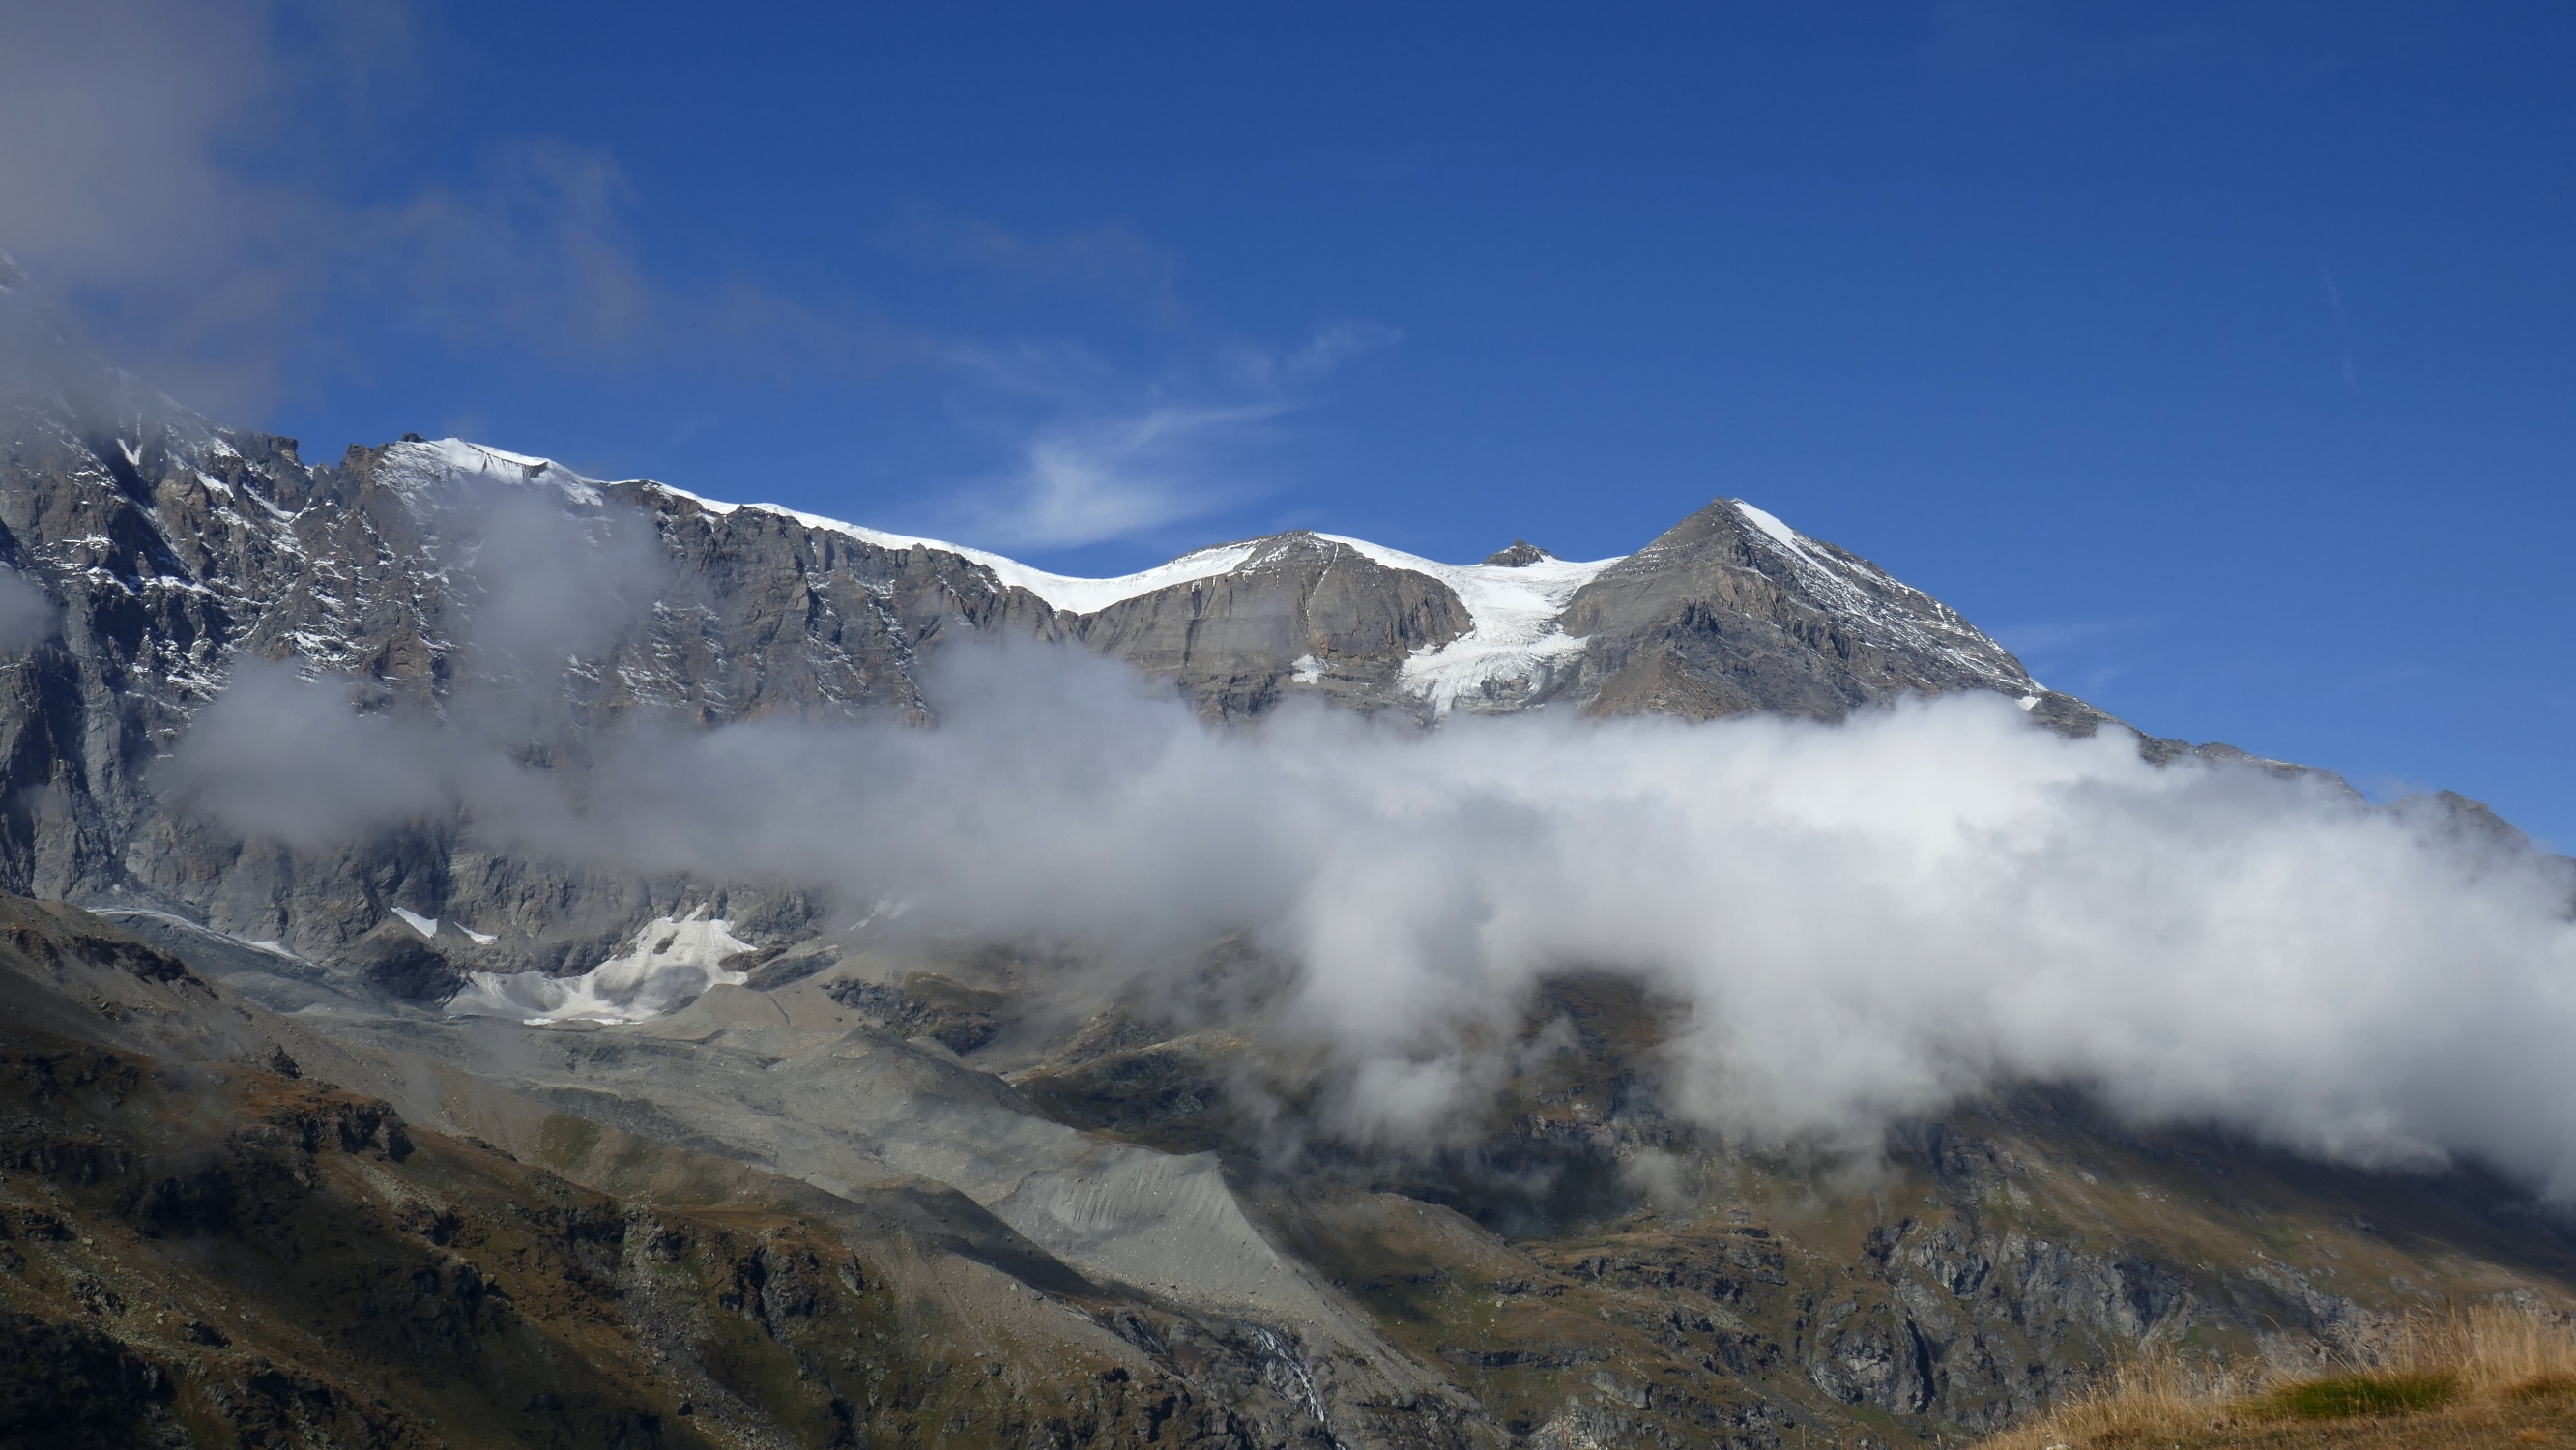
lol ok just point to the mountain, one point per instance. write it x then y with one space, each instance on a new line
323 1140
173 548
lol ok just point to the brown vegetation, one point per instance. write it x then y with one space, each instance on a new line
2492 1375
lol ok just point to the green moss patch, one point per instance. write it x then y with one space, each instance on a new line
2349 1396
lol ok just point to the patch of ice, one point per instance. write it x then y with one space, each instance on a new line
1309 670
479 938
425 925
670 962
1513 610
133 453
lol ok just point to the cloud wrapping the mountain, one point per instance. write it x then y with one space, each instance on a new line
1857 921
27 614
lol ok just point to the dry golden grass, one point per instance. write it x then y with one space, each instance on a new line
2485 1376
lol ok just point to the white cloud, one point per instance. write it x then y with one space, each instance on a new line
1084 481
198 184
1862 921
1109 458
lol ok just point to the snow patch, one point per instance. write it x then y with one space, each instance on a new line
425 925
454 457
1309 670
1781 534
670 962
479 938
1513 611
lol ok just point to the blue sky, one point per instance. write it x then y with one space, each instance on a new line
2219 358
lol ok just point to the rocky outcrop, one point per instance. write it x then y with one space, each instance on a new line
1301 613
1730 612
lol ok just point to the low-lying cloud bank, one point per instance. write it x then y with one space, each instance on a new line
1862 921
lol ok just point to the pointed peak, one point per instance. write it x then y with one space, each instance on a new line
1521 554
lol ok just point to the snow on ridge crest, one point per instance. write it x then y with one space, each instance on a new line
1514 636
1513 610
455 456
1068 593
419 463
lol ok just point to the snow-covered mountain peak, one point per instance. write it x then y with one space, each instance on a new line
414 463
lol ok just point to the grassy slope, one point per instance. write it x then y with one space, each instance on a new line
2492 1376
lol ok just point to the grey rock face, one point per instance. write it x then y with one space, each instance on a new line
1301 610
169 550
1728 612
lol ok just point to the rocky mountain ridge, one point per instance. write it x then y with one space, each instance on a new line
169 550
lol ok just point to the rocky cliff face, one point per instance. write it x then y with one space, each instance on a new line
1301 613
1731 611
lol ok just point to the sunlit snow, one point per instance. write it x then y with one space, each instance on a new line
1514 636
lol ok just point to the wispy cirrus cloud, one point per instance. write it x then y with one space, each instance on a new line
1100 456
1110 258
2080 656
